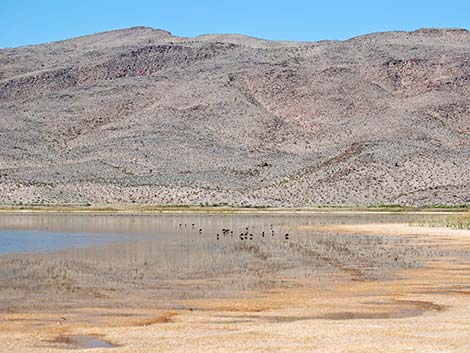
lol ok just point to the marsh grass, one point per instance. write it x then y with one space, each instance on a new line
461 221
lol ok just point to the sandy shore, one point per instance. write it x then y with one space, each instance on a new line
397 316
445 237
399 229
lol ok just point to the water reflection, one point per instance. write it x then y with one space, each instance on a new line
149 224
181 256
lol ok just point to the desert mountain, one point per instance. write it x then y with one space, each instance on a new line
141 116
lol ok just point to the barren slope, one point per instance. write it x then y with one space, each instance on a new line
141 116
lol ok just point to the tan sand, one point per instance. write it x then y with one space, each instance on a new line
359 317
454 238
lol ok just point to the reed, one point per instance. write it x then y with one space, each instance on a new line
461 221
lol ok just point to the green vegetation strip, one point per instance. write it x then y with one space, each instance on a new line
155 209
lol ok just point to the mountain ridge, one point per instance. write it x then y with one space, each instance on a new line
141 116
163 32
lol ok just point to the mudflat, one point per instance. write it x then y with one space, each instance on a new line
350 282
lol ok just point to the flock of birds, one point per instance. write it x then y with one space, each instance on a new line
245 235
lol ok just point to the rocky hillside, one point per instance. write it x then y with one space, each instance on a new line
141 116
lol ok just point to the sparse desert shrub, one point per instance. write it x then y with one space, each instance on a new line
386 205
450 206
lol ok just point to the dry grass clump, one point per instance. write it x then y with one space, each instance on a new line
461 221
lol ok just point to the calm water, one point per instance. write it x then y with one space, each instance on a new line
40 233
43 241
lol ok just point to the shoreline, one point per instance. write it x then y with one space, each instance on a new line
393 229
153 210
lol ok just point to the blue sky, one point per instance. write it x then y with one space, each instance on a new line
25 22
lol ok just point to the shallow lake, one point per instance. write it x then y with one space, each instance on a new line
54 259
42 241
49 232
68 277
